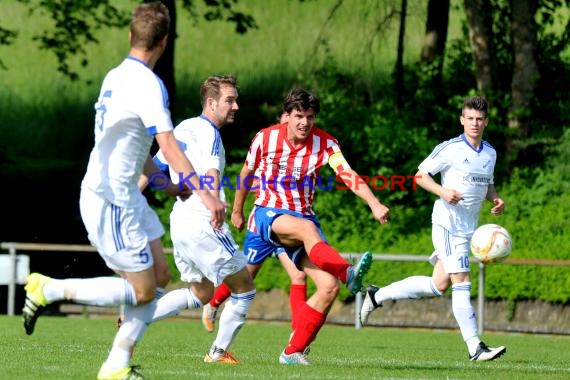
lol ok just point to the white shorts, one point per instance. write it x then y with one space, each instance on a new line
200 251
452 250
151 222
120 234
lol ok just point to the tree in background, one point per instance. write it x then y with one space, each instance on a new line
480 23
75 23
433 47
525 67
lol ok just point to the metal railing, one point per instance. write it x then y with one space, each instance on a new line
12 249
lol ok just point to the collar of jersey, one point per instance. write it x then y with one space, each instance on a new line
202 116
471 146
136 59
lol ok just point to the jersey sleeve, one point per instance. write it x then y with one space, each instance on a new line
436 161
253 158
160 161
335 158
153 105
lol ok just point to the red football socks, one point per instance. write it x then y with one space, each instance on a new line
297 298
220 295
328 259
306 329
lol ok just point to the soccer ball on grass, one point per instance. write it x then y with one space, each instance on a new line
491 243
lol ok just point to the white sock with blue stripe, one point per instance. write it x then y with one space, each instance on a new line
173 302
465 314
413 287
231 320
98 291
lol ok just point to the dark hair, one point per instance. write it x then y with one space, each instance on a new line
150 23
301 100
211 86
478 103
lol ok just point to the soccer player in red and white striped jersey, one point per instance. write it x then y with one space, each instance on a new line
288 158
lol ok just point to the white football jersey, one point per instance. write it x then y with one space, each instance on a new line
467 171
201 142
132 108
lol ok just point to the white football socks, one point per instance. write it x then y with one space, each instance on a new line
465 314
137 319
409 288
99 291
173 302
231 320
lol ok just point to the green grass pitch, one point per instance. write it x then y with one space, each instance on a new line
75 347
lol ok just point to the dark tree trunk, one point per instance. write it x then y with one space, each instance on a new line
433 48
399 69
165 66
525 67
479 20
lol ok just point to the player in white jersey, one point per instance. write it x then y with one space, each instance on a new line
130 111
466 164
257 251
206 256
288 157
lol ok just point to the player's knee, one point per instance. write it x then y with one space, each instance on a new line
298 278
308 227
441 286
145 295
328 292
203 292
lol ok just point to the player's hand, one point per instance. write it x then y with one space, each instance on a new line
452 196
499 206
381 213
238 220
174 191
217 209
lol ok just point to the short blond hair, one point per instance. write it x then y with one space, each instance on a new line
150 23
211 88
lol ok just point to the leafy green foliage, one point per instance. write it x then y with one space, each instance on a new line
74 26
358 109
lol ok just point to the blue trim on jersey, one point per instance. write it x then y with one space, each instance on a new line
161 165
151 131
183 146
165 98
483 142
216 146
138 60
217 139
443 145
471 146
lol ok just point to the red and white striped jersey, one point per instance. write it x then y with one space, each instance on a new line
288 175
